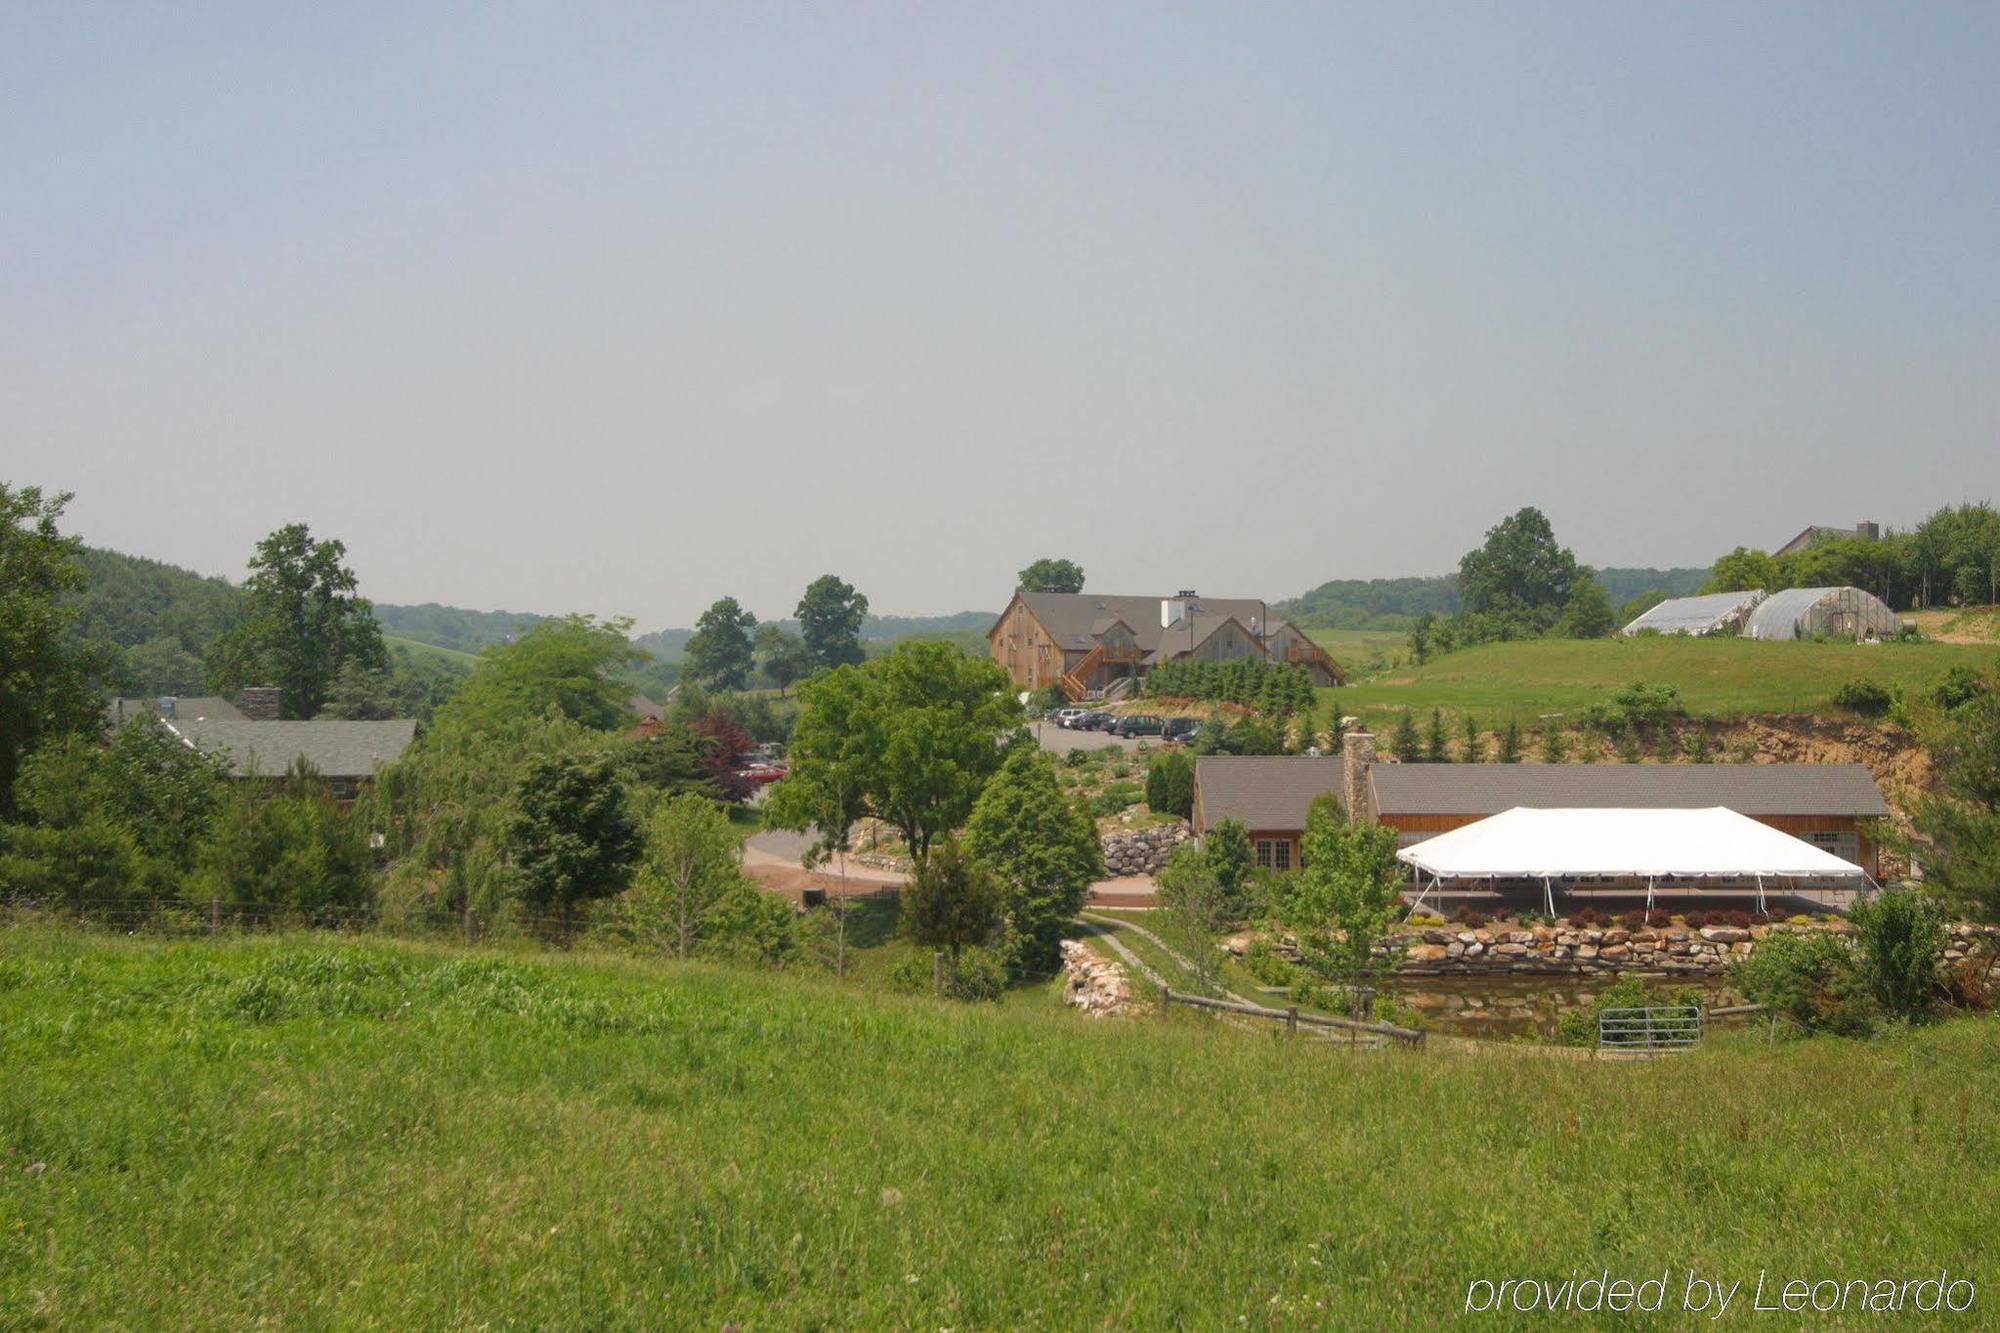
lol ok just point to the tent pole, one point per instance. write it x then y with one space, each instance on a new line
1548 895
1760 893
1649 895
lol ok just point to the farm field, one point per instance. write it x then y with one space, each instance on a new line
350 1132
419 649
1719 678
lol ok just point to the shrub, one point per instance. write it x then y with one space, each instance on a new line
1588 918
1472 920
980 975
1170 784
1696 920
1864 697
1902 942
1813 979
1114 799
1077 757
1960 685
1263 962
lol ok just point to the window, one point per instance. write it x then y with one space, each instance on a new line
1274 853
1846 846
1264 852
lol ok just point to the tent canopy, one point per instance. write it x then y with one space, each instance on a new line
1716 843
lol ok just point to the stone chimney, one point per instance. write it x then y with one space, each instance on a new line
1867 531
262 703
1357 758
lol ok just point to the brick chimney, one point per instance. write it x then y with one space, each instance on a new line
262 703
1357 758
1868 531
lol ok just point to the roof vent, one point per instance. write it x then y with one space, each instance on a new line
1187 592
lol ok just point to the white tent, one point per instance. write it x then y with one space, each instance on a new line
1652 845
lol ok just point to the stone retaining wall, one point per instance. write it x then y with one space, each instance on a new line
1565 949
1141 851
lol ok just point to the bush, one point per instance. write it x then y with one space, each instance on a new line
1170 784
1265 963
1960 685
1115 798
1902 942
1812 978
981 975
1471 919
1866 698
1588 918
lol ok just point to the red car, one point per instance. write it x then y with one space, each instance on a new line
760 771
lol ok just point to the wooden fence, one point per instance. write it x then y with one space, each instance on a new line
1292 1018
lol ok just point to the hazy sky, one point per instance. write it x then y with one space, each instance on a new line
619 309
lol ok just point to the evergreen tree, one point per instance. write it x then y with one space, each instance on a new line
1555 744
952 902
1436 749
1042 847
1510 743
1403 741
1474 747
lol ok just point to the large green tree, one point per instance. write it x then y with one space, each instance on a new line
910 737
1048 575
830 618
569 663
720 654
303 621
572 836
45 678
691 860
1043 847
1519 574
1742 570
785 659
952 902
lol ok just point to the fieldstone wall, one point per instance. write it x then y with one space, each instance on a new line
1446 950
902 865
1093 984
1141 851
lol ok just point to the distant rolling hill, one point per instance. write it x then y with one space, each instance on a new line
1394 603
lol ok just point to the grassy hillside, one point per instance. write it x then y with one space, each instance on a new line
328 1132
452 626
1394 603
419 649
1716 677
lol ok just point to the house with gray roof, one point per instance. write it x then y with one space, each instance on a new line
1828 805
1102 646
345 755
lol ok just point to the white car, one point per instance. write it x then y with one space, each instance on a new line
1066 718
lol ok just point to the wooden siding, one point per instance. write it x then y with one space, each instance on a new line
1026 651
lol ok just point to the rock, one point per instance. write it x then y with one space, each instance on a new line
1585 952
1617 936
1511 949
1613 952
1724 934
1467 937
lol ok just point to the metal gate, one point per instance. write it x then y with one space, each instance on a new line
1650 1031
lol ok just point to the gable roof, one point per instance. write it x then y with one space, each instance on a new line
1071 617
1264 791
1748 789
268 749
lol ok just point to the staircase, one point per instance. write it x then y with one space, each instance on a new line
1075 680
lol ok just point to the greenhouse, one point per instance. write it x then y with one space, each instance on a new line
1698 615
1812 613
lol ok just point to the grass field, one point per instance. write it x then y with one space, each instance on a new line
420 649
325 1132
1716 677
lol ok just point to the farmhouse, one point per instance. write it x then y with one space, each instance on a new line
1098 646
1823 804
344 755
1866 531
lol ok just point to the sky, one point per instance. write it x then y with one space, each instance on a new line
620 309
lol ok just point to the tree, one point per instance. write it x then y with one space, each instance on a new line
1555 743
1042 846
115 820
1510 743
1170 784
673 758
1638 606
1051 576
1742 570
952 902
567 663
786 661
719 654
830 617
692 858
1519 574
1474 746
1195 910
1403 741
910 737
1341 904
1226 849
1420 637
293 849
45 678
1435 748
1958 828
358 694
1587 614
1902 942
303 621
571 836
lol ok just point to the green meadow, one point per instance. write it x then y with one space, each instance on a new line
1720 678
327 1131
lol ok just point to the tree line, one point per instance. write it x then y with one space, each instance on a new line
1951 557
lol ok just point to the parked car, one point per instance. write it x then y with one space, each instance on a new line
761 771
1138 724
1068 718
1095 721
1180 730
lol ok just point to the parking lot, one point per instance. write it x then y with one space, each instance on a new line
1057 740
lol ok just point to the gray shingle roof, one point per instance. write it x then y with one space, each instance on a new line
1263 791
1072 616
1748 789
268 749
